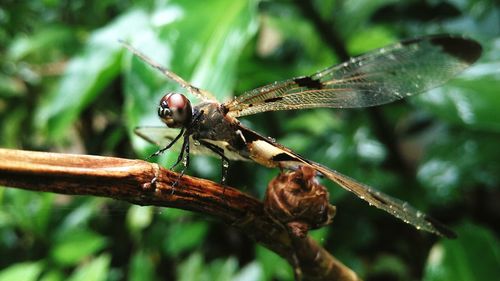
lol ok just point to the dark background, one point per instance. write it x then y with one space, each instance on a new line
67 85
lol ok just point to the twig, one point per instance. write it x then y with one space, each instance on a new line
145 183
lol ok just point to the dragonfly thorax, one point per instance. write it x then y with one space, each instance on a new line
175 110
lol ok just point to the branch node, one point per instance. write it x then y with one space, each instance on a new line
296 199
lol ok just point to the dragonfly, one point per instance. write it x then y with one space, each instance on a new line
378 77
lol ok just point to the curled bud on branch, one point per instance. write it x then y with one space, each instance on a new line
297 200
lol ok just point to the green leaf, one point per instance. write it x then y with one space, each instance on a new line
273 266
390 265
250 272
191 269
53 275
320 234
86 75
447 173
369 39
301 49
351 16
72 247
40 43
173 215
475 255
222 39
81 214
194 268
12 127
27 271
29 211
185 236
141 268
139 217
223 269
95 270
11 87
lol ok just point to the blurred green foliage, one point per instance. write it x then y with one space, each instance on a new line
66 84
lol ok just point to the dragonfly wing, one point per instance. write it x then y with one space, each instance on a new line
199 93
162 136
382 76
277 155
393 206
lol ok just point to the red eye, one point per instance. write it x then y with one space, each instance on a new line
175 110
177 101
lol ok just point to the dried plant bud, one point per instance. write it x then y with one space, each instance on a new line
297 200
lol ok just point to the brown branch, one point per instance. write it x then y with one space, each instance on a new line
145 183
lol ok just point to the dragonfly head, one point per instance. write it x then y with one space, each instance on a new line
175 110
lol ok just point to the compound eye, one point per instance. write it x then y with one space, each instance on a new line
175 110
164 110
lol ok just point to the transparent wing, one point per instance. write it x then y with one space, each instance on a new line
199 93
162 136
393 206
376 78
285 158
159 136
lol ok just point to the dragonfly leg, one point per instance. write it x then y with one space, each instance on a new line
168 145
185 144
184 157
225 161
